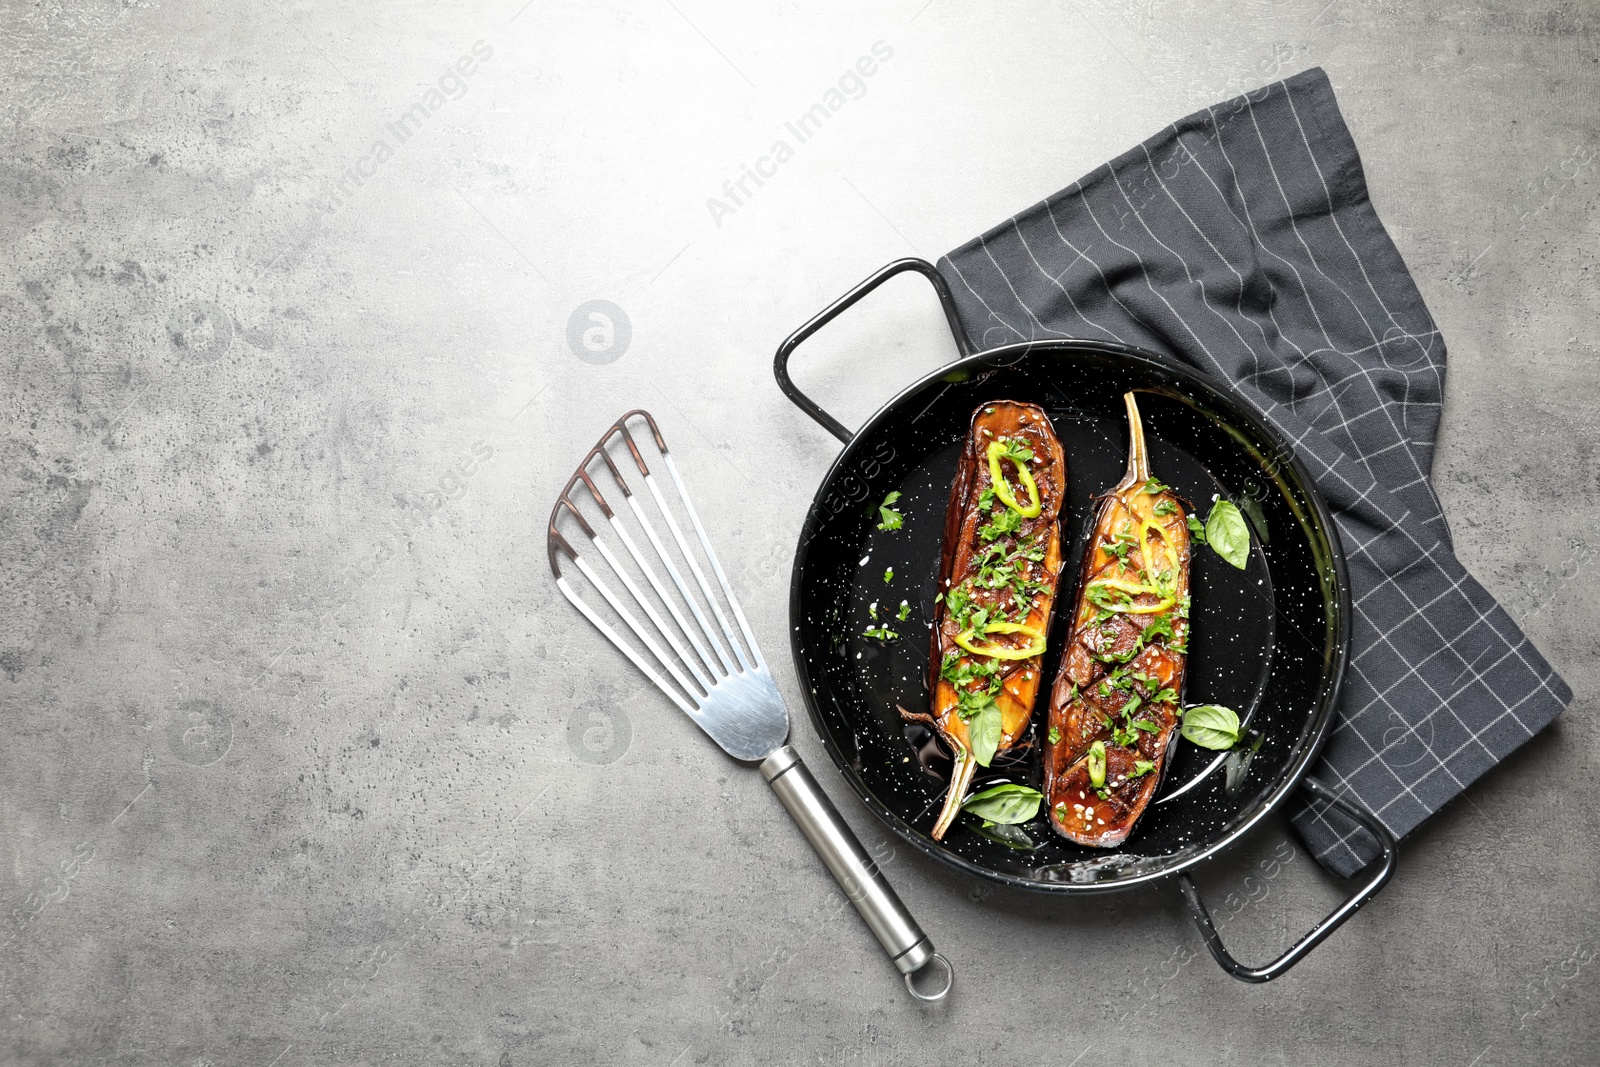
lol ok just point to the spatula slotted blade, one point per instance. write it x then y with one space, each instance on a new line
727 690
714 675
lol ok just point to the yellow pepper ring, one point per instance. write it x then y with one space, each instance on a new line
1033 648
1003 490
1148 609
1124 586
1166 547
1097 764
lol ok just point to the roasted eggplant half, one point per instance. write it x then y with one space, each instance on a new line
997 585
1115 706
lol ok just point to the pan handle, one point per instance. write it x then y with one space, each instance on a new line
1202 917
780 363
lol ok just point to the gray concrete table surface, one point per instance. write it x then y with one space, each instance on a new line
304 760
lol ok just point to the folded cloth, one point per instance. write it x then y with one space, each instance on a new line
1241 241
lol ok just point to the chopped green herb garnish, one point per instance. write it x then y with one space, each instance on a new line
1015 450
1141 767
1004 522
891 518
1154 486
1165 507
882 633
1120 545
1106 598
905 611
1055 736
961 673
957 601
1160 627
978 619
888 575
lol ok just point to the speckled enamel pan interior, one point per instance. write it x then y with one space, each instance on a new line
1269 641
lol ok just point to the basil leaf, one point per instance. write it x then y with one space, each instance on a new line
1007 804
984 729
1003 834
1238 765
1227 534
1253 511
1211 726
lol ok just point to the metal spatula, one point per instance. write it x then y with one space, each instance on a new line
723 686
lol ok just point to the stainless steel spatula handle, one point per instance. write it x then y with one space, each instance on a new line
856 873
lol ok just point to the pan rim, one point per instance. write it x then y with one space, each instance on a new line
1320 714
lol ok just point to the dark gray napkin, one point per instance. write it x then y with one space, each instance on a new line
1241 240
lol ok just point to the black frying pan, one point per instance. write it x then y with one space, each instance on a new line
1270 641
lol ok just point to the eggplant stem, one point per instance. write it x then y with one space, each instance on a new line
960 777
1138 456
